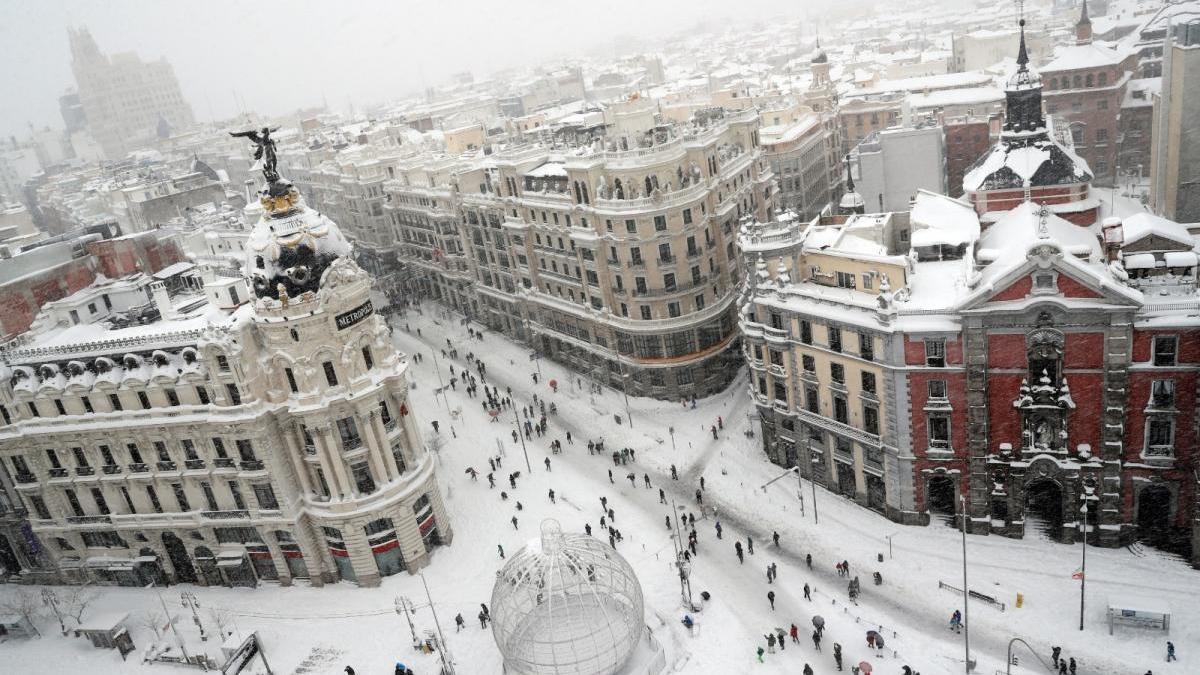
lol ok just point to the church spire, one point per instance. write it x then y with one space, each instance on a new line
1083 29
1022 53
1023 93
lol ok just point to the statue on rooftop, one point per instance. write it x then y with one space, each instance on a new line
265 150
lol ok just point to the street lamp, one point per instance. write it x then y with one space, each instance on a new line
1084 498
187 599
1012 659
812 478
966 609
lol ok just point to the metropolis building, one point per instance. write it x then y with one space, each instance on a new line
222 440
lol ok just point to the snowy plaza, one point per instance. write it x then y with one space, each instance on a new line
309 630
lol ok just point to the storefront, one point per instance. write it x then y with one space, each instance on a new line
381 535
337 550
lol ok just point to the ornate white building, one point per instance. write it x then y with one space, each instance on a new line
272 442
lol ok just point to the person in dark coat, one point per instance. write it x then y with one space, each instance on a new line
771 599
837 654
816 638
349 670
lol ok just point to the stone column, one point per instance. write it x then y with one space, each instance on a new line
372 449
295 447
383 447
331 459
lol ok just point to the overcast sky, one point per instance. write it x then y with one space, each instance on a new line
282 55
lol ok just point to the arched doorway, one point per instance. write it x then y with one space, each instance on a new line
184 571
939 498
1154 521
1044 509
148 570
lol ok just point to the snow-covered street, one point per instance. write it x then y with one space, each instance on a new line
309 630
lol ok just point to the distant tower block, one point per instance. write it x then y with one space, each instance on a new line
568 604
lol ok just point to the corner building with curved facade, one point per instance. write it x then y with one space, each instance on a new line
272 441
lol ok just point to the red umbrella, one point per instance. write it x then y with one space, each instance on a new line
865 668
494 412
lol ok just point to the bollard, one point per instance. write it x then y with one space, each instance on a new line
1020 599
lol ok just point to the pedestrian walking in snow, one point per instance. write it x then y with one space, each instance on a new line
519 506
750 544
512 481
816 638
795 633
646 480
435 426
771 599
769 579
472 473
483 619
737 548
770 643
846 568
1170 651
603 526
807 593
699 497
808 669
808 560
501 549
701 482
1062 667
587 528
612 517
714 432
718 528
759 653
632 479
775 538
774 571
458 621
720 422
674 473
547 463
662 496
668 518
1055 652
514 522
569 441
349 670
610 480
956 621
612 539
837 655
552 496
491 480
1071 666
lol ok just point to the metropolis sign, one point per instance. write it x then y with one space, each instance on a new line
347 319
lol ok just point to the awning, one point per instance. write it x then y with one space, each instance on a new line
173 270
1180 258
109 561
231 555
1139 261
145 559
229 563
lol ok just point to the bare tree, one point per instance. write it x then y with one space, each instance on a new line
76 601
25 603
155 620
224 620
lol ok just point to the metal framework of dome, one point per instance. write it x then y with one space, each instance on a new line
566 604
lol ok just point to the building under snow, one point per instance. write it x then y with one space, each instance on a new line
158 428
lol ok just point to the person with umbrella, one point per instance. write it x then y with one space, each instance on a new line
865 667
818 623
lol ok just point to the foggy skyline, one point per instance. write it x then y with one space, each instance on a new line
282 56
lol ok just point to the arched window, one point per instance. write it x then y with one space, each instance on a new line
1103 78
1090 80
1053 83
1078 81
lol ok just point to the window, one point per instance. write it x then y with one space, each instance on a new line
837 373
368 360
58 405
245 450
687 216
398 455
154 503
1165 350
265 496
631 226
129 506
219 448
115 402
53 457
362 478
202 394
1102 104
835 339
291 379
181 497
76 507
867 283
103 540
935 353
1162 394
780 392
866 346
107 455
1160 437
664 253
135 455
222 363
210 499
236 491
809 363
699 302
673 309
845 279
645 312
871 420
805 332
937 390
80 458
939 431
189 449
868 383
235 396
1102 135
669 282
660 223
348 431
144 400
841 412
330 373
812 401
172 397
39 507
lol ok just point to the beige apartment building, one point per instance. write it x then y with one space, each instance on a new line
271 442
608 246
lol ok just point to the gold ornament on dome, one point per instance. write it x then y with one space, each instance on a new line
280 205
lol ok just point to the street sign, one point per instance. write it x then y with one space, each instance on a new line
245 654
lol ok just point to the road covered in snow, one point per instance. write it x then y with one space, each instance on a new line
310 630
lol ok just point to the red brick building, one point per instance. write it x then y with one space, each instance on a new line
966 141
1085 86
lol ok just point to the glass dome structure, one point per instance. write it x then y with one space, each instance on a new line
566 604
